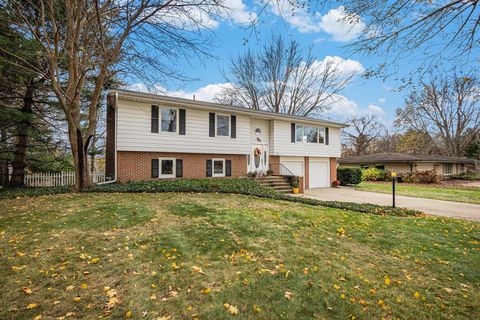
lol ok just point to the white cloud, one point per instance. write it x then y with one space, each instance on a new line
191 17
376 110
337 22
344 108
205 93
382 100
341 26
239 12
345 67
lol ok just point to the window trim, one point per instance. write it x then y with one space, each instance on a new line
303 133
229 125
177 118
174 166
217 175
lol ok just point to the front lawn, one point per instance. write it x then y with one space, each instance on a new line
227 256
454 193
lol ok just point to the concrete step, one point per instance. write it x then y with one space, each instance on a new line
272 182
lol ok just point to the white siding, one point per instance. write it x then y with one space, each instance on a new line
264 126
282 145
134 133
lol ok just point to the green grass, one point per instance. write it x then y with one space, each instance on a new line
454 193
152 254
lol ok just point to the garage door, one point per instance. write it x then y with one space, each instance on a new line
289 167
319 174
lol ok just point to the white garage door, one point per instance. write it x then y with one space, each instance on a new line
319 174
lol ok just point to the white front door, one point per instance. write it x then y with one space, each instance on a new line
259 158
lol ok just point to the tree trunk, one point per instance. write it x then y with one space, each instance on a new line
21 145
93 153
80 157
3 161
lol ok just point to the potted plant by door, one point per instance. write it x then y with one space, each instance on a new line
295 185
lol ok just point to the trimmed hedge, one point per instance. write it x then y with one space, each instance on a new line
237 186
348 176
246 187
11 193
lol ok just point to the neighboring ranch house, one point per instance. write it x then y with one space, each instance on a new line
408 163
159 137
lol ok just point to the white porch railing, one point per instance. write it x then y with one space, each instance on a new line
57 179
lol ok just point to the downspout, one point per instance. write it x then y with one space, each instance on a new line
115 149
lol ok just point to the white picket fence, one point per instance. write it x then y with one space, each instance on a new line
58 179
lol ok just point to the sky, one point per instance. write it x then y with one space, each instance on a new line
324 31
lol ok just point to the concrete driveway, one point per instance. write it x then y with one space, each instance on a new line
429 206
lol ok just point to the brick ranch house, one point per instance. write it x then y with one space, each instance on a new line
153 137
408 163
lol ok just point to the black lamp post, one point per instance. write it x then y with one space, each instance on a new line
394 178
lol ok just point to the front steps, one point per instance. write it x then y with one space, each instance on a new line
277 183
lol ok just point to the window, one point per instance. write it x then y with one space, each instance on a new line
223 125
321 135
309 134
447 168
169 120
218 167
299 133
167 168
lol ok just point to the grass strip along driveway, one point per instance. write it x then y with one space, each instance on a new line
456 193
228 256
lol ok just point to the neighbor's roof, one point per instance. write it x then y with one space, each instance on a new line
260 114
402 157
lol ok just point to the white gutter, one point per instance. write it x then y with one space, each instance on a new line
115 149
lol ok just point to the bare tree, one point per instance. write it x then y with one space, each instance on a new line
387 142
402 26
447 107
284 78
97 38
361 134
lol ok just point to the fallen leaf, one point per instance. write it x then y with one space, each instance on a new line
256 308
197 270
206 290
288 295
387 281
32 306
27 290
69 288
76 299
448 290
231 309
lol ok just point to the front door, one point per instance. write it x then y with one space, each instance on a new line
259 158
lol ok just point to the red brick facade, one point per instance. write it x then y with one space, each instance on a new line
136 166
333 170
275 164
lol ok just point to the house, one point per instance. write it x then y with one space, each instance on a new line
160 137
408 163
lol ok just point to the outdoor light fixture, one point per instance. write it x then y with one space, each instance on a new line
394 178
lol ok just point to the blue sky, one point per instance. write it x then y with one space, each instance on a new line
323 30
